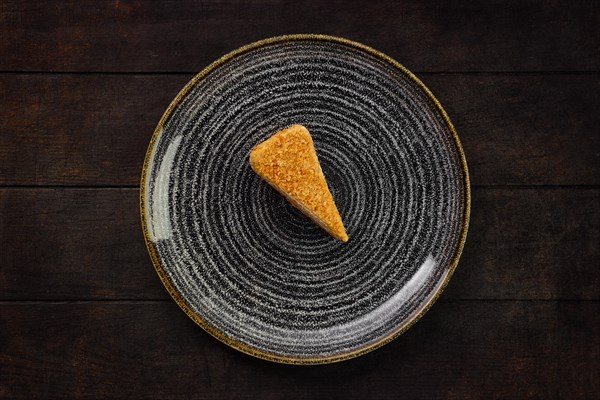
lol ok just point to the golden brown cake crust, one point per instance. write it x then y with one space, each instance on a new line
288 162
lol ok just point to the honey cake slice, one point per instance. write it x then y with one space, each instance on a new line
288 162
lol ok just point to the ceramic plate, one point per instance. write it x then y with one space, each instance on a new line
252 270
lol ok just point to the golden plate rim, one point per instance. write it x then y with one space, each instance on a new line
179 298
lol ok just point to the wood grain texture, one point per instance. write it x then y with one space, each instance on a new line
94 129
428 35
87 130
527 129
537 243
81 90
459 350
74 244
87 244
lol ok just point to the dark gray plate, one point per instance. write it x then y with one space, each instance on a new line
252 270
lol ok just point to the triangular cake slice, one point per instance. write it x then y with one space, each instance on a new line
288 162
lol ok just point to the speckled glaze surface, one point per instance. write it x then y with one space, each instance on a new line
251 269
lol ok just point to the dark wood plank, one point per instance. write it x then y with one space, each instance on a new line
459 350
94 130
87 244
187 35
74 244
86 130
537 243
527 129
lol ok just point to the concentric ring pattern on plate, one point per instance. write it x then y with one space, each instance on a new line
250 268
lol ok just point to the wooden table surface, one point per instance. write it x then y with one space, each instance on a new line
84 315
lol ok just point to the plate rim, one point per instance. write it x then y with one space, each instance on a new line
179 299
